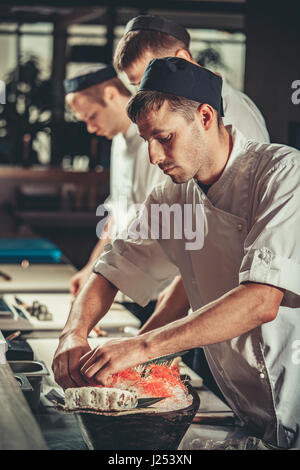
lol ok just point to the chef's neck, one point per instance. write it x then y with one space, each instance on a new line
217 157
125 122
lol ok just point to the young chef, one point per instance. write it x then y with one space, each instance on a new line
147 37
242 283
99 98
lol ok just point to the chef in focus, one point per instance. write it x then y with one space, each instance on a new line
99 98
148 37
240 268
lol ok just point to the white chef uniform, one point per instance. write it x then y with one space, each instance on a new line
132 176
251 224
241 112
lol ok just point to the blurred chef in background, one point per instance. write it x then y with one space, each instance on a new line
99 98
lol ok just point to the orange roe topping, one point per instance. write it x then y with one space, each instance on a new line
129 375
155 381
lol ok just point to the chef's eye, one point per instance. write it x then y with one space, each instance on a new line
92 117
165 140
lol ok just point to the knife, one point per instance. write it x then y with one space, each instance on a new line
165 360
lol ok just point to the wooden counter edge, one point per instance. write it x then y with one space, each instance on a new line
18 428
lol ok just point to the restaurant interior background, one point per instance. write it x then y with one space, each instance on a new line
53 174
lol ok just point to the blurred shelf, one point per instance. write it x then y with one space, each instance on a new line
53 175
58 219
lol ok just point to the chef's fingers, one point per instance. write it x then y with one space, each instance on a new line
86 357
62 375
74 371
90 357
104 376
94 364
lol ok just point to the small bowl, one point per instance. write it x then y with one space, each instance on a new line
34 371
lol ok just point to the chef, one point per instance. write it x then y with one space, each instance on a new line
242 284
147 37
99 98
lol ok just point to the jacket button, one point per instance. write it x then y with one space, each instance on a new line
239 227
262 376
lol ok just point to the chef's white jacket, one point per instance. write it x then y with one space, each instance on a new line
132 176
251 220
241 112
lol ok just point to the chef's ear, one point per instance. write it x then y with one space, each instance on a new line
206 115
109 93
184 54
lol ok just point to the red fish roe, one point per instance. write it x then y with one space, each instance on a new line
154 381
161 381
127 375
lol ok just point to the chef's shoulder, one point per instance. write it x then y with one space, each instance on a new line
274 165
241 112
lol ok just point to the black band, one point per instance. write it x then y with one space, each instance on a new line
81 82
180 77
158 23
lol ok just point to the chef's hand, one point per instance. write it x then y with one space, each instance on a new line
116 355
79 279
66 365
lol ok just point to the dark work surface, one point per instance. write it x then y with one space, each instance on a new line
61 431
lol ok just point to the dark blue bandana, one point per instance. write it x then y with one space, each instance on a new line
179 77
160 24
89 79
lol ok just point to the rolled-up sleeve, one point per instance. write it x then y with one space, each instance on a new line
272 247
138 267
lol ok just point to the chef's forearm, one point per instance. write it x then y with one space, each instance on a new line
101 242
232 315
90 306
173 306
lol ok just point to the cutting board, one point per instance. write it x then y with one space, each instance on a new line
36 278
59 305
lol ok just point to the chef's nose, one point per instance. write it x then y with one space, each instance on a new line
156 153
91 128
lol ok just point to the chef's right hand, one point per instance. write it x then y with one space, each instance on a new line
79 279
66 365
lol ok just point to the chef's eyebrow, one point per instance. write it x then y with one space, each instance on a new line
155 132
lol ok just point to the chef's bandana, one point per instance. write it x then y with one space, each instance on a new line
180 77
87 80
160 24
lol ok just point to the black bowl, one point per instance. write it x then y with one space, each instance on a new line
138 430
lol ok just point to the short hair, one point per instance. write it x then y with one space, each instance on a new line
95 92
133 45
146 101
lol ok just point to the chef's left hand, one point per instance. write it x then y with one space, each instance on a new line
116 355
